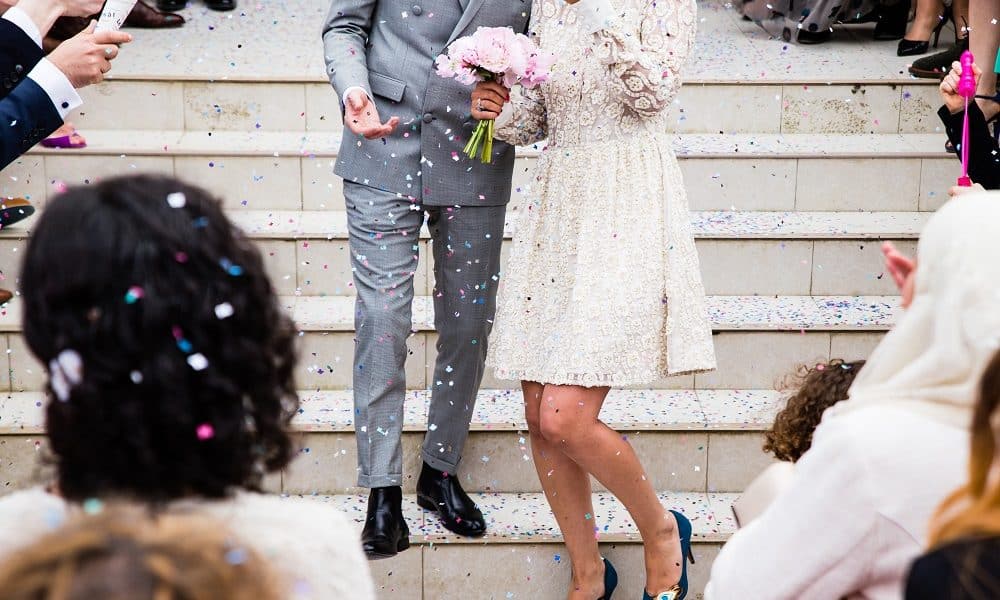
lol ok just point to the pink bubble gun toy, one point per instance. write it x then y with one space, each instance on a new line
967 90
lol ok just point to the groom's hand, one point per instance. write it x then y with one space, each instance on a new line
361 117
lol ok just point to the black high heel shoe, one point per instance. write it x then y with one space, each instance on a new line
610 580
891 21
915 48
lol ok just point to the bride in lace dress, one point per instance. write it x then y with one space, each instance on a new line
603 287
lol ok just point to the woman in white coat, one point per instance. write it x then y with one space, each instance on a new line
857 511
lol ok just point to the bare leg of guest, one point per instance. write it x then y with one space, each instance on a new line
567 489
568 420
984 41
960 12
925 19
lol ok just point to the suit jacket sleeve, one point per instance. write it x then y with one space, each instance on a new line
984 153
27 116
18 56
345 39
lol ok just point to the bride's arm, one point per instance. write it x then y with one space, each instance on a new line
646 63
523 120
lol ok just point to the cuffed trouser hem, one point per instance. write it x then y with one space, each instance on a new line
374 481
438 463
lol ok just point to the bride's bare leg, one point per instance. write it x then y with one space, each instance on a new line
567 488
568 419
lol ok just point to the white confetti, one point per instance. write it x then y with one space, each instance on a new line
198 361
176 200
224 310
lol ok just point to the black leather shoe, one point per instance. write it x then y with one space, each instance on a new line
146 17
170 5
441 494
221 4
385 534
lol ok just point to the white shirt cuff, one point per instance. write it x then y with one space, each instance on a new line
57 86
20 18
596 15
348 91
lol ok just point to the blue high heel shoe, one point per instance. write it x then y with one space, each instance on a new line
610 580
679 591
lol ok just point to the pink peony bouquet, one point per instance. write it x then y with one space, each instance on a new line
493 54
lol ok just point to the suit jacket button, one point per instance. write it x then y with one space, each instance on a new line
417 10
19 69
428 117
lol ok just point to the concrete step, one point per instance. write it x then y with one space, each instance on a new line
332 411
522 556
759 341
796 314
690 440
311 106
294 171
818 253
221 73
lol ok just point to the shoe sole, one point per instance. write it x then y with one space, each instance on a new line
404 544
430 506
926 74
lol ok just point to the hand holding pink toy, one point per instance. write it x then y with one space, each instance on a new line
949 87
967 90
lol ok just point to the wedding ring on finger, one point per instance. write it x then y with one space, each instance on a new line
479 105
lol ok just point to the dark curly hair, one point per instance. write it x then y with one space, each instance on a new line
186 385
817 388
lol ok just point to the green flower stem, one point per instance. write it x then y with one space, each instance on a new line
481 142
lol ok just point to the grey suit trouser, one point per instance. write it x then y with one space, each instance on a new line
384 241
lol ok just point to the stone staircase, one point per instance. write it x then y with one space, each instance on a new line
798 162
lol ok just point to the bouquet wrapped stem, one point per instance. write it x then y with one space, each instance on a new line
481 142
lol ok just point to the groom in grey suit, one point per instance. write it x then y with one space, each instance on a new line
379 56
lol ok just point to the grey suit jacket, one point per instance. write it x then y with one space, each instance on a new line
388 48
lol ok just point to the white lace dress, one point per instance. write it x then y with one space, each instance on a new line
603 287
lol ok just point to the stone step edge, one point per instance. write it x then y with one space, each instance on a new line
706 225
526 517
227 77
220 144
497 411
796 314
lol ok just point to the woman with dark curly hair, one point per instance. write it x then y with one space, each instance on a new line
170 367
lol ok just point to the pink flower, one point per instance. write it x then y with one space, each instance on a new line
510 57
539 69
494 46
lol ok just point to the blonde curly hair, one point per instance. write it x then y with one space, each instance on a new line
128 553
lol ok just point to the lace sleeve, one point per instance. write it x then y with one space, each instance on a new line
523 120
646 60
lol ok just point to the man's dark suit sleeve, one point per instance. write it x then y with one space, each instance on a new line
18 56
27 116
984 154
